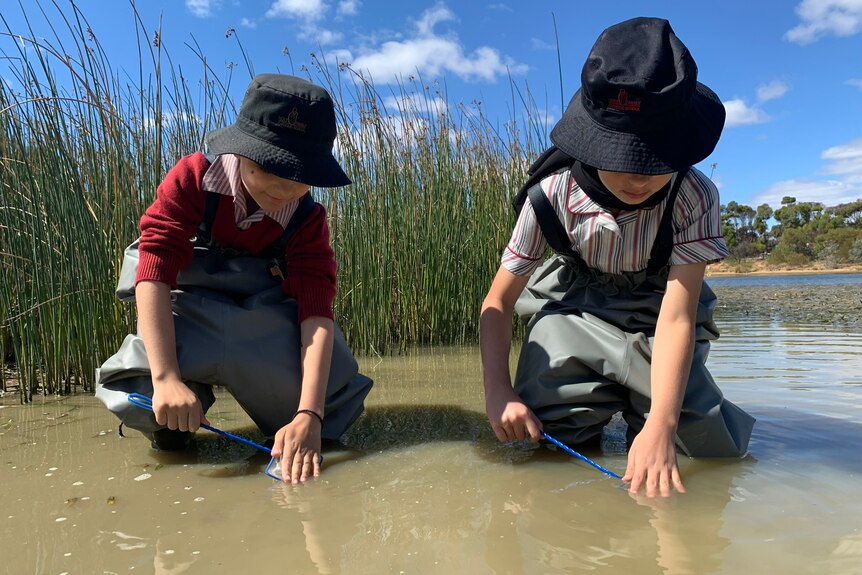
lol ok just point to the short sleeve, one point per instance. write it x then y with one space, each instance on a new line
697 222
526 247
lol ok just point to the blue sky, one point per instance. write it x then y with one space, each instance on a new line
789 72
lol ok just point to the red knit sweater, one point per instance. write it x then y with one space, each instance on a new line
171 221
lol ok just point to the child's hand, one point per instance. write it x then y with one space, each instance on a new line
177 406
298 446
510 419
652 463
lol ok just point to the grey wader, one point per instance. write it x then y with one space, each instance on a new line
235 328
587 351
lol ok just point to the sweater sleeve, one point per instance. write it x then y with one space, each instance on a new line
170 222
311 268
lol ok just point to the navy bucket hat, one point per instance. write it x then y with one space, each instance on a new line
640 108
287 126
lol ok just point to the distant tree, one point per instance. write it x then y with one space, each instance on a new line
761 225
836 243
854 254
739 231
804 231
796 215
828 254
851 213
795 241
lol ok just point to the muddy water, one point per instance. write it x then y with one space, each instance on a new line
421 485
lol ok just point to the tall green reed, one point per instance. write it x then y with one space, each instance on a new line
81 154
417 236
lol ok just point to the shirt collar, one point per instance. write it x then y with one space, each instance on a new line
580 204
223 178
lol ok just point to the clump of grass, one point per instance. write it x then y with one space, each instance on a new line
417 235
81 154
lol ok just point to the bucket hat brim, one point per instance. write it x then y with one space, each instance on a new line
689 139
314 168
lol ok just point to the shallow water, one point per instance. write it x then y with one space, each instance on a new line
785 279
423 487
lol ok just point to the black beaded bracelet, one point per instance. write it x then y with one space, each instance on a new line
309 411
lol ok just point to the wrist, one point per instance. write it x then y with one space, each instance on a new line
164 380
311 413
666 424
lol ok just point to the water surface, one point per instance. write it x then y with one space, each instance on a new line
422 486
785 279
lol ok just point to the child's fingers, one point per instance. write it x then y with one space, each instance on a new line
277 444
637 480
310 466
630 469
298 471
677 480
290 470
172 420
534 429
193 421
500 433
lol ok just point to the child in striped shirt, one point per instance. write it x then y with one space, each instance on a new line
620 319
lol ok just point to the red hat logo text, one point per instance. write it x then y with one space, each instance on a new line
622 102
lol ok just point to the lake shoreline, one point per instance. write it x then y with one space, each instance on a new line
760 268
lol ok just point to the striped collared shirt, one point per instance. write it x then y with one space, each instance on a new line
222 177
622 242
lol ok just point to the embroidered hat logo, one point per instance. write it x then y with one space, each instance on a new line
622 102
292 121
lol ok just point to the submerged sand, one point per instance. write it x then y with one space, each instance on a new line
831 304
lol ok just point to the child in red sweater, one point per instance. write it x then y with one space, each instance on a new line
234 280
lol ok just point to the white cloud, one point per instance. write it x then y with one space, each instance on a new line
771 91
348 7
433 54
827 192
308 10
416 104
339 55
540 44
741 114
202 8
248 23
309 13
845 159
320 36
823 17
843 165
857 82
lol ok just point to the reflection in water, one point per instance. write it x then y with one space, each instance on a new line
420 484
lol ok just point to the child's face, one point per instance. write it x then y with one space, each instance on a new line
633 188
268 191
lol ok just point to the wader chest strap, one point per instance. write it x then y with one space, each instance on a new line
550 224
557 237
663 244
275 251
